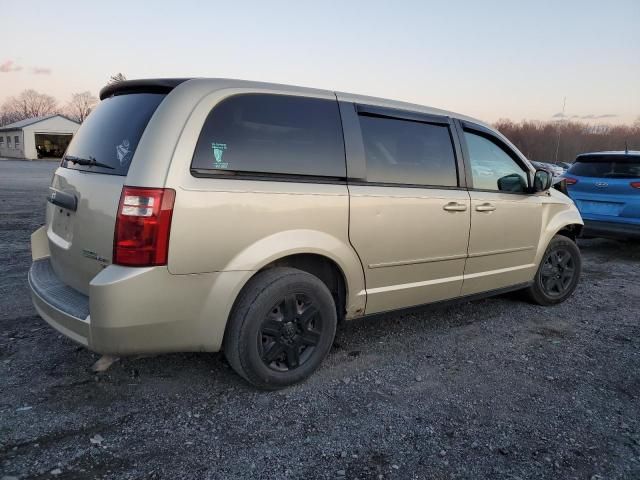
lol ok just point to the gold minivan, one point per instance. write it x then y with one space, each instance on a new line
212 214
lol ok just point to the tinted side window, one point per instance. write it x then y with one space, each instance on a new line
492 168
273 134
408 152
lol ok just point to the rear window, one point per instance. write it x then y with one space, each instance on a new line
273 134
606 167
110 135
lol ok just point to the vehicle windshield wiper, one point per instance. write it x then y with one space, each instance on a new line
89 162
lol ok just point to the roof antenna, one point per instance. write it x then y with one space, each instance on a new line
626 147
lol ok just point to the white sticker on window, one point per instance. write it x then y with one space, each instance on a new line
122 151
218 152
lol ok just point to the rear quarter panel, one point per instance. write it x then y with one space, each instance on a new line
242 225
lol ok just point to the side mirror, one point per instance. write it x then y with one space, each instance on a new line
542 181
512 183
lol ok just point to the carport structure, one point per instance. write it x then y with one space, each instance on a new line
38 137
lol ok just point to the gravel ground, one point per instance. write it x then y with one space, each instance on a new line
494 388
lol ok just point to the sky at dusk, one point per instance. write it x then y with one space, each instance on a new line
488 59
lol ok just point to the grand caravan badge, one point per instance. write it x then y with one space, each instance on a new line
218 153
94 256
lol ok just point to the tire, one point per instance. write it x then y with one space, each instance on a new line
558 273
281 328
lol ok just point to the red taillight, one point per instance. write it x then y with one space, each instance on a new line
570 180
142 226
635 184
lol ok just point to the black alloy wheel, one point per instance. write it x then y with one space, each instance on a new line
281 327
558 271
290 333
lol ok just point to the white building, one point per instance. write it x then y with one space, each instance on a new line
38 137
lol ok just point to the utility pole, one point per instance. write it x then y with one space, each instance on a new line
564 104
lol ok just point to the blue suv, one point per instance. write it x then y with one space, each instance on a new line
605 187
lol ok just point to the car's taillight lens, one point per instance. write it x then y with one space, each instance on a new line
142 226
570 180
635 184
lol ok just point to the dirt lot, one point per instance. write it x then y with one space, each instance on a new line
490 389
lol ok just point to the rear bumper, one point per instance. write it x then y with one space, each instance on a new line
593 228
60 306
138 310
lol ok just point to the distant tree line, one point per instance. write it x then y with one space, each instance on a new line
30 104
539 141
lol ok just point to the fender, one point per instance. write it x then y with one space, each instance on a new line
291 242
555 217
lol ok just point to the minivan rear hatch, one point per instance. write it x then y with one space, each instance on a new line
85 190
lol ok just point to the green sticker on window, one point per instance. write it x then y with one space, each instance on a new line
218 152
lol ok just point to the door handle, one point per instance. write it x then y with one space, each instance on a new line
455 207
485 207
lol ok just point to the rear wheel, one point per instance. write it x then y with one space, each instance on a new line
558 274
281 328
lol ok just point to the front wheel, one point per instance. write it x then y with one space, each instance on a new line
558 274
281 328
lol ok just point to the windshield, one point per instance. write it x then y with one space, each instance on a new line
108 138
606 168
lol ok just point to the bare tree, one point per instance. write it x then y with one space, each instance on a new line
7 117
118 77
28 104
80 106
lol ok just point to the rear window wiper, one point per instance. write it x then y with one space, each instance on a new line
89 162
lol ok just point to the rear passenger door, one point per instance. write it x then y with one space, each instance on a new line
409 209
